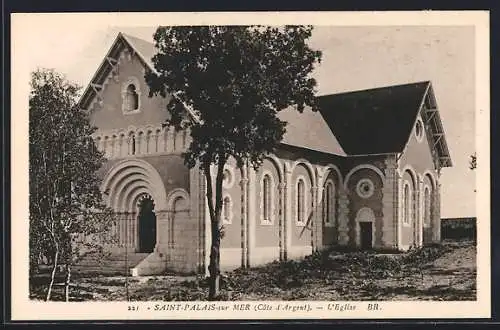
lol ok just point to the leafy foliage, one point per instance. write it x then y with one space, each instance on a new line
233 81
236 78
66 208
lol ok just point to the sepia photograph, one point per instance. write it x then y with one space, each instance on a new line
262 166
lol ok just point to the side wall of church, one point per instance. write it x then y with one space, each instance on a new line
297 202
416 168
266 225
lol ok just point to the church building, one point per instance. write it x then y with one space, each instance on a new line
362 172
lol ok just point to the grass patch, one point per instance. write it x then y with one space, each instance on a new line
430 273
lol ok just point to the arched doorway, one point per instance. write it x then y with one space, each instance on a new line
147 224
365 228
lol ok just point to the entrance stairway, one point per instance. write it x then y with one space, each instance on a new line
116 264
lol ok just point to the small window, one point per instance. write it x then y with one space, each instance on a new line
406 203
131 96
132 145
228 178
419 130
266 198
227 210
329 203
132 99
365 188
301 202
427 207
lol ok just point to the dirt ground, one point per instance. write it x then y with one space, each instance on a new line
444 272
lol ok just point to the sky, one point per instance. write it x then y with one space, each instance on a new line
354 57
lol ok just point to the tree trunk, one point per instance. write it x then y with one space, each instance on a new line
53 275
215 220
214 266
67 281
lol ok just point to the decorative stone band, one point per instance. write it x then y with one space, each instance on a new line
144 140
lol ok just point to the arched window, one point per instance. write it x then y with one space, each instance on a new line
131 95
301 201
266 198
105 146
226 210
131 144
406 203
427 207
98 143
122 145
131 98
228 177
329 203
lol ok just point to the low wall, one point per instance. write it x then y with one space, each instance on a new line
458 228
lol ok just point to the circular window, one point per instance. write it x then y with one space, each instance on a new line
419 130
365 188
228 178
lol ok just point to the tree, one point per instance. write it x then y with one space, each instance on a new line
66 209
233 80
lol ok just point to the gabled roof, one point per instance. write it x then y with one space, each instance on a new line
142 48
306 130
368 122
381 120
309 130
146 50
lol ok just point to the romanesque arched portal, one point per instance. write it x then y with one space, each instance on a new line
128 186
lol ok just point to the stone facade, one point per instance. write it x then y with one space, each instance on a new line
277 212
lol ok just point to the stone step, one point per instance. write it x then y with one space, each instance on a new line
111 264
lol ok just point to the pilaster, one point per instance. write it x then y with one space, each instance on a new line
169 141
399 208
162 232
252 214
319 217
126 226
389 204
121 146
343 230
148 148
420 212
162 138
138 139
133 232
313 224
197 211
244 215
287 220
281 222
436 216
